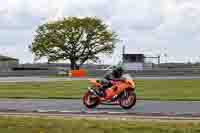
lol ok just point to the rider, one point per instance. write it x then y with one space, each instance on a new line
114 75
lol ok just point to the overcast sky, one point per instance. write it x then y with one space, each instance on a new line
145 26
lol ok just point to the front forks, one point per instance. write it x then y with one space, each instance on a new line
92 91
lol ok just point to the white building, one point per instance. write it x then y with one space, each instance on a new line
7 63
133 61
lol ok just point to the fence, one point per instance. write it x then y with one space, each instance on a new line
29 73
54 69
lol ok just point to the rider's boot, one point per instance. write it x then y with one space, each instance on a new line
100 92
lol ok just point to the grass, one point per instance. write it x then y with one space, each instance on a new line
146 89
58 125
58 89
169 89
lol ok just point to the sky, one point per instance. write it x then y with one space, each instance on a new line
170 28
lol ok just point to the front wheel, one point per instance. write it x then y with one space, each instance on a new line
127 100
90 100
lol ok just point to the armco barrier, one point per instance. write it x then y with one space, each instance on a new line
29 73
149 73
101 73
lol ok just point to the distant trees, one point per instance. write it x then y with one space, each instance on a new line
73 39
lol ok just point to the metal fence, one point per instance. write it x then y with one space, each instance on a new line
29 73
93 71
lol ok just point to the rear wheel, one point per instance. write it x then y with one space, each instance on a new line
90 100
127 100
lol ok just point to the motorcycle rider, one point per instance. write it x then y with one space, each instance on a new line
114 75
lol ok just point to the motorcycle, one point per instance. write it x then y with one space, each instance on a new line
121 92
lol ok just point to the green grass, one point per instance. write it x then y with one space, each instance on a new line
56 125
146 89
169 89
60 89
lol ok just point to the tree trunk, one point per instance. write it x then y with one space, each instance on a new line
74 65
77 67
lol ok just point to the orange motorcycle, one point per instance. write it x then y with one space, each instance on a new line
121 92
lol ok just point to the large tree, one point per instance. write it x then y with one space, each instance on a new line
73 39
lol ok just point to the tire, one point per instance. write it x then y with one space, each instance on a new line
96 100
131 103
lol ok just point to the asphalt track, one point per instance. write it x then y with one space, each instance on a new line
75 107
46 79
144 108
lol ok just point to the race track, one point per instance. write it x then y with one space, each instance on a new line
76 106
144 108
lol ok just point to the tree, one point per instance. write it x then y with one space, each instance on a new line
73 39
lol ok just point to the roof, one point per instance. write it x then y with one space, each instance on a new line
6 58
